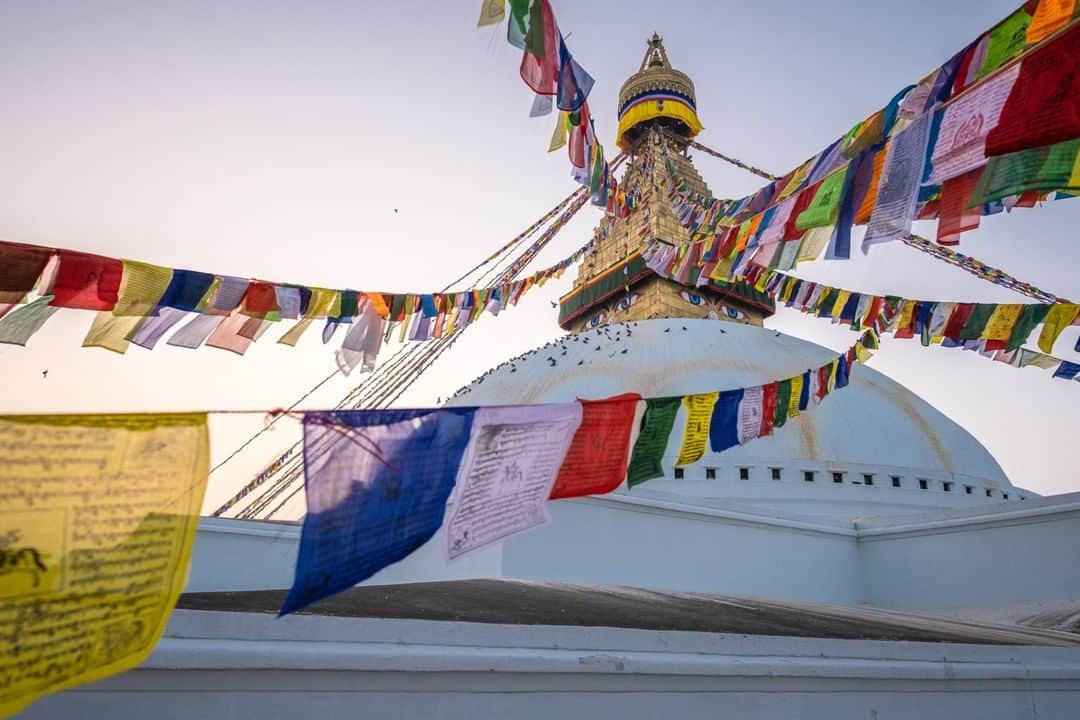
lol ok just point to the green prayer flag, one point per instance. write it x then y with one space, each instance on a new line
1030 317
652 441
19 325
826 302
1006 41
783 402
518 28
825 207
1042 169
976 322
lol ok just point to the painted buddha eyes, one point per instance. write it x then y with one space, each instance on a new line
699 301
692 298
596 320
627 302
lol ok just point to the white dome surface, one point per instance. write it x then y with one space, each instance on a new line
874 427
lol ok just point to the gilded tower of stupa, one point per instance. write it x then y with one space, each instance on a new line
657 120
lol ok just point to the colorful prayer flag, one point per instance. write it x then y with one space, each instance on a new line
597 460
377 483
656 426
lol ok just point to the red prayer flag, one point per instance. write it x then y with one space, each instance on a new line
597 459
20 268
1044 106
955 216
806 195
260 298
957 320
768 408
540 63
86 282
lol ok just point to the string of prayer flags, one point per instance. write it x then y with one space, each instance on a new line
139 303
550 70
1012 91
100 514
378 482
994 328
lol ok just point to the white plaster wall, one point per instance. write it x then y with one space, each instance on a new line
1021 555
646 543
249 555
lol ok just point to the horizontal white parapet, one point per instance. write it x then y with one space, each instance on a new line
240 665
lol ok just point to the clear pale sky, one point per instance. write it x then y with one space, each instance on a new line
275 139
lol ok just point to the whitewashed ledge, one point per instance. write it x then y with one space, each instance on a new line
253 665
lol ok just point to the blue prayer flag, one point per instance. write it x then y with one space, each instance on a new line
574 84
842 372
804 397
377 483
1067 370
186 289
724 426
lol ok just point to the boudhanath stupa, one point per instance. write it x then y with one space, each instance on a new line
871 560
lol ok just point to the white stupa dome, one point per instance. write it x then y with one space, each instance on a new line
873 447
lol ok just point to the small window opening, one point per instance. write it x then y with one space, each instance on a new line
679 473
808 475
1004 496
947 486
868 479
775 473
923 484
968 489
896 481
838 477
989 492
710 473
744 473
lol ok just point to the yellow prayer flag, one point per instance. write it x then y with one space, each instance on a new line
863 353
1061 315
319 306
1001 323
111 332
97 517
492 12
814 242
1074 178
838 306
1049 17
699 410
796 394
561 133
141 286
904 318
797 179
